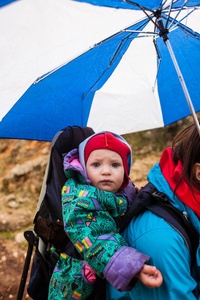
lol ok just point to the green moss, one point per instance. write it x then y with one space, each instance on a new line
7 235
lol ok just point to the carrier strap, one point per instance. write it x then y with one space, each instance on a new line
158 203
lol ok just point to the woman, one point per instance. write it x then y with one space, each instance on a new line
178 176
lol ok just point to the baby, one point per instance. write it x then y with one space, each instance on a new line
96 194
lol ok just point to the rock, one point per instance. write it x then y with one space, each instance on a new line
26 168
3 258
45 151
12 201
10 197
19 237
21 200
15 220
15 254
25 177
13 204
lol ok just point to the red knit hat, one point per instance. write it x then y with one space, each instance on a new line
108 141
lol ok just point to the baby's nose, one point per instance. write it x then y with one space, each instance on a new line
106 170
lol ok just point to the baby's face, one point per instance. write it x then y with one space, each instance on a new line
105 170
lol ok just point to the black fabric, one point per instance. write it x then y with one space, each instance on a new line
51 207
38 285
69 139
54 185
99 291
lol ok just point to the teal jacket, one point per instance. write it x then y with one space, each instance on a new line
151 235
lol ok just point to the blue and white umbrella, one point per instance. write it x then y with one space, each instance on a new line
111 69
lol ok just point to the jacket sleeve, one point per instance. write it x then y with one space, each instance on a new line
168 253
88 216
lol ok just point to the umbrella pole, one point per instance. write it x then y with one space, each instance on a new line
164 34
185 90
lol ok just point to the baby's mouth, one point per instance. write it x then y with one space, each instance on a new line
106 181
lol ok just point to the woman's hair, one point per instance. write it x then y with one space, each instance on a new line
186 147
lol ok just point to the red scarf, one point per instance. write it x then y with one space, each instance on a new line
172 173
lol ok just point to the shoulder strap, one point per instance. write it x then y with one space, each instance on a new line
150 198
139 204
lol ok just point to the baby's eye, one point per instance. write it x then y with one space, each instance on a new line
96 164
115 165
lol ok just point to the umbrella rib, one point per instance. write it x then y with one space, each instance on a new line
123 30
136 4
178 24
166 8
159 61
142 36
164 2
110 63
150 19
169 14
144 9
184 87
40 78
145 33
174 19
120 45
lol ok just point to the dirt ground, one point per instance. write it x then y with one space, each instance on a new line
13 249
11 264
14 219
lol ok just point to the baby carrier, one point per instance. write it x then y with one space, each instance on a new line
48 224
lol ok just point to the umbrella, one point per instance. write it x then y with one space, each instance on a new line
162 11
124 82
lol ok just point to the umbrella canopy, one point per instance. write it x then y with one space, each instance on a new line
113 85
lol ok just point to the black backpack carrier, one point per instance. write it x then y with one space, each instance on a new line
48 223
